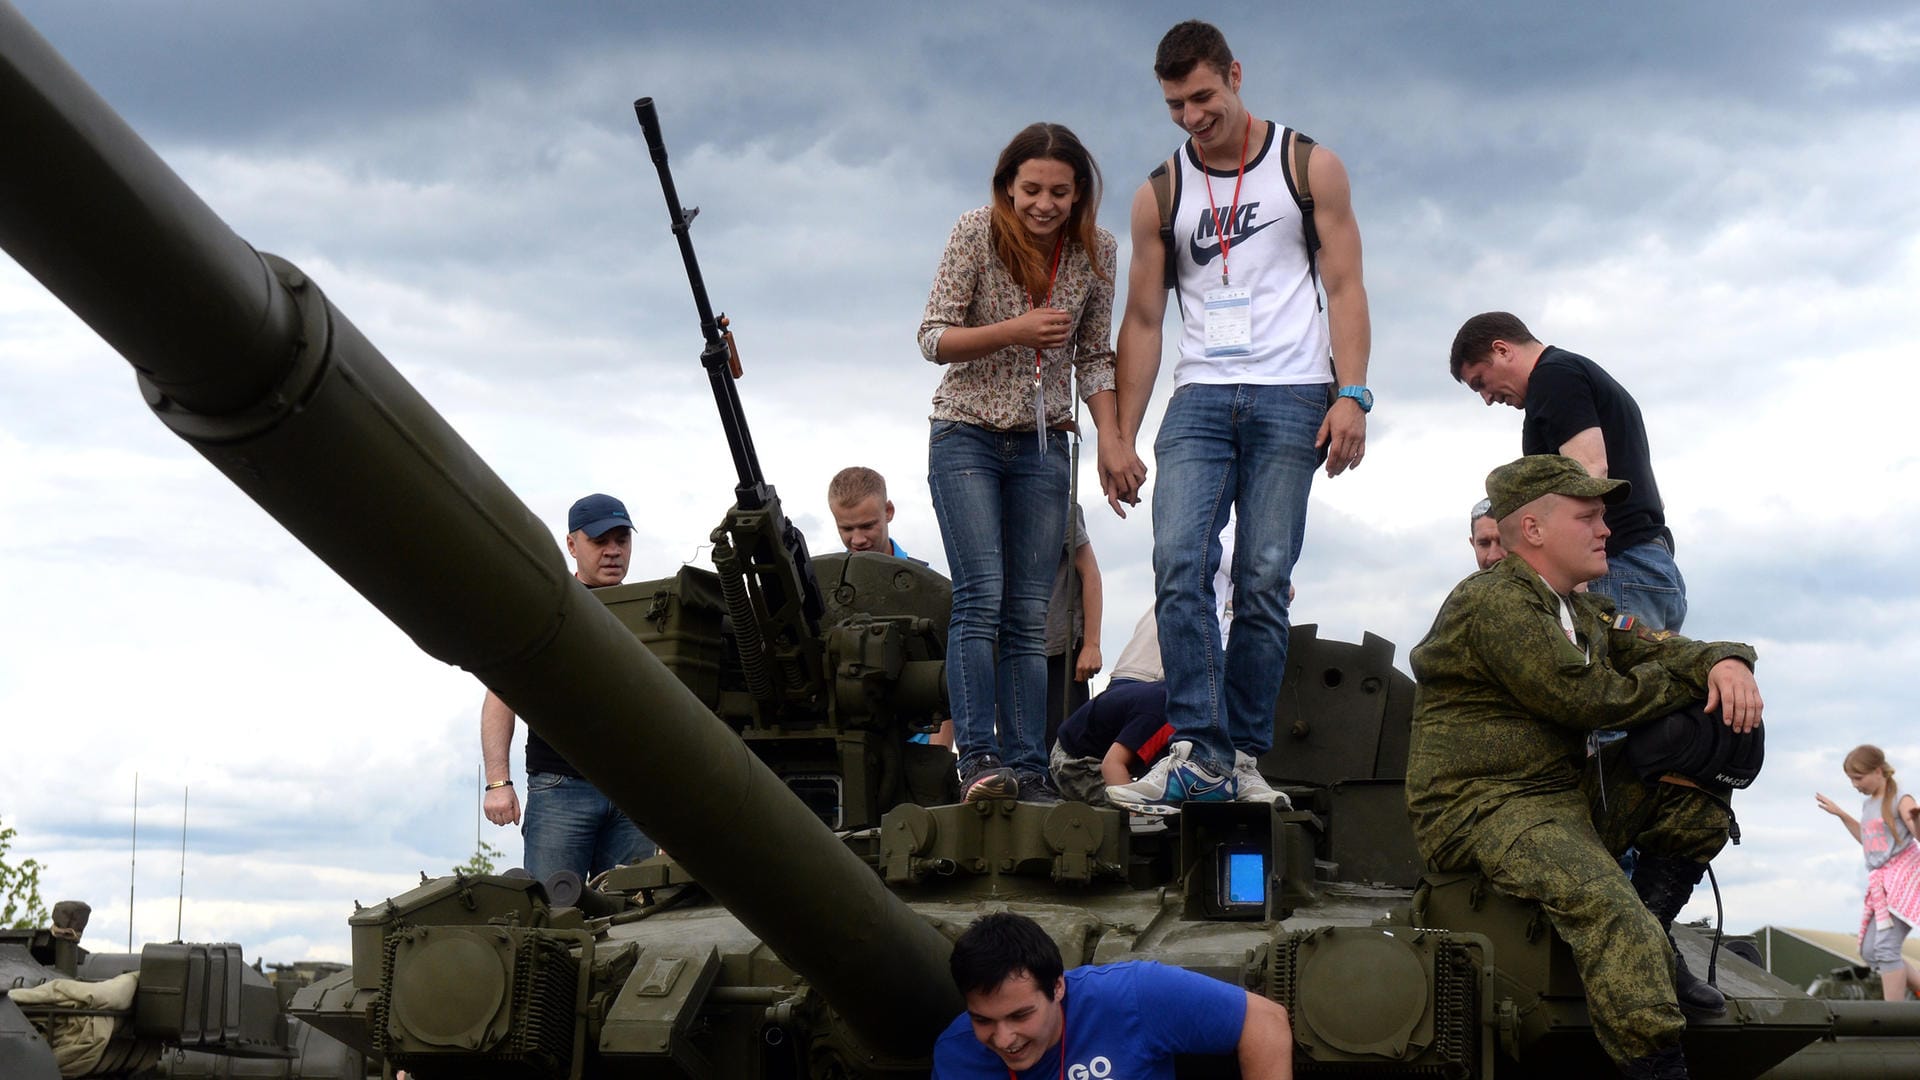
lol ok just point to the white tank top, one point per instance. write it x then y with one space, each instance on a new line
1266 253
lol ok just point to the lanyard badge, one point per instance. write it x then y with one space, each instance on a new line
1228 320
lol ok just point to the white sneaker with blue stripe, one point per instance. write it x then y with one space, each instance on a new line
1173 780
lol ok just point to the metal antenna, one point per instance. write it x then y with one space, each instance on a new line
132 858
180 906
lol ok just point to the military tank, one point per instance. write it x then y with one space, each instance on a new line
754 720
182 1010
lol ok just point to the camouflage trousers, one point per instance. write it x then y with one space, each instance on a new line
1078 778
1561 850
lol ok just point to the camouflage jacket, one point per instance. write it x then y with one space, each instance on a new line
1504 702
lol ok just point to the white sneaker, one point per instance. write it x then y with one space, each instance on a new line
1253 786
1173 780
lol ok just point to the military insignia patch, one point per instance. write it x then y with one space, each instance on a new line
1623 622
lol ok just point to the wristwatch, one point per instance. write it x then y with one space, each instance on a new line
1361 396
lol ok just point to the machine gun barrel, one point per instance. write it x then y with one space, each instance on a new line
287 398
718 356
757 546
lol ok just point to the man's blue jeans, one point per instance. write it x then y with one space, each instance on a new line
1002 507
1248 447
569 825
1644 582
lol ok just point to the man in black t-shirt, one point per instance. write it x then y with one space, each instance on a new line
568 824
1575 408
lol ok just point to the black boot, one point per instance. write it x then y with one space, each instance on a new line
1667 1063
1664 885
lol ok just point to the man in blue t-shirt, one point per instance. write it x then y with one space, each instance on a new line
1026 1016
862 513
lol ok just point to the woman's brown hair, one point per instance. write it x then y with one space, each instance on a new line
1023 256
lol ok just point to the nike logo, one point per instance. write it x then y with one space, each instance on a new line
1206 253
1197 789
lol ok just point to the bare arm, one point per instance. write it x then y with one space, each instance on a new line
1136 362
1266 1041
501 805
1845 818
1909 811
1117 767
1344 432
1589 448
1091 606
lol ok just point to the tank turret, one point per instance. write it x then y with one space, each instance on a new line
753 719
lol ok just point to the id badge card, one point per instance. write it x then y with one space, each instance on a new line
1229 321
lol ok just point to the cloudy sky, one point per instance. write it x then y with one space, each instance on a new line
1707 199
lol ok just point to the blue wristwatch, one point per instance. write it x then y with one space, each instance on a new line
1361 396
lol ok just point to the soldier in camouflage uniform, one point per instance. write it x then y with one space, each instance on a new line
1515 673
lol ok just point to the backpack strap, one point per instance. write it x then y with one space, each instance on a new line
1297 149
1165 181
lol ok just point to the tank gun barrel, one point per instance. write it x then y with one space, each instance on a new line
242 357
144 262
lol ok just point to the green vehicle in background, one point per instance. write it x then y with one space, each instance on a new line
754 720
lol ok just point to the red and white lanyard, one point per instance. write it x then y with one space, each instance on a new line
1233 211
1039 389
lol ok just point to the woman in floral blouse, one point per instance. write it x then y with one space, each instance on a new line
1024 290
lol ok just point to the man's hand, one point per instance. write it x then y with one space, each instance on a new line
1732 693
1121 471
1344 434
1088 665
1041 328
502 806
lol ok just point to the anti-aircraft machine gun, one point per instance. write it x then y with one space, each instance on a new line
766 943
820 685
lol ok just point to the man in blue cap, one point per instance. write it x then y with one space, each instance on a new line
568 824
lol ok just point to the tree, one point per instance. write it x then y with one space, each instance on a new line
20 905
482 861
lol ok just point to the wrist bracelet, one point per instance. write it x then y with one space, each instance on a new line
497 784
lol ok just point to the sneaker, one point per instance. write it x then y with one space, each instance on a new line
1253 786
1173 780
986 778
1037 787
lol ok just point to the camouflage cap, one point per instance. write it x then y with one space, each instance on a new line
1519 482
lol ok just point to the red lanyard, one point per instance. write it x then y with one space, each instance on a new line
1234 210
1063 1044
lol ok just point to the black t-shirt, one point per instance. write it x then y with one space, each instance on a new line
1567 394
544 758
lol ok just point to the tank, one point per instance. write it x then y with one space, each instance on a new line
753 719
189 1010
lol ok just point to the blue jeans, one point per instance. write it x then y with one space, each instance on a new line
1248 447
569 825
1643 582
1002 507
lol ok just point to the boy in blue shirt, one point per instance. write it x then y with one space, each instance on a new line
1027 1017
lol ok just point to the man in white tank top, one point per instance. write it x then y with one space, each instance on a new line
1265 391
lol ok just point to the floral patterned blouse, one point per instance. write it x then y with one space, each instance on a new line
973 288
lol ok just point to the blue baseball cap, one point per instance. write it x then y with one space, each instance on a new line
596 514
